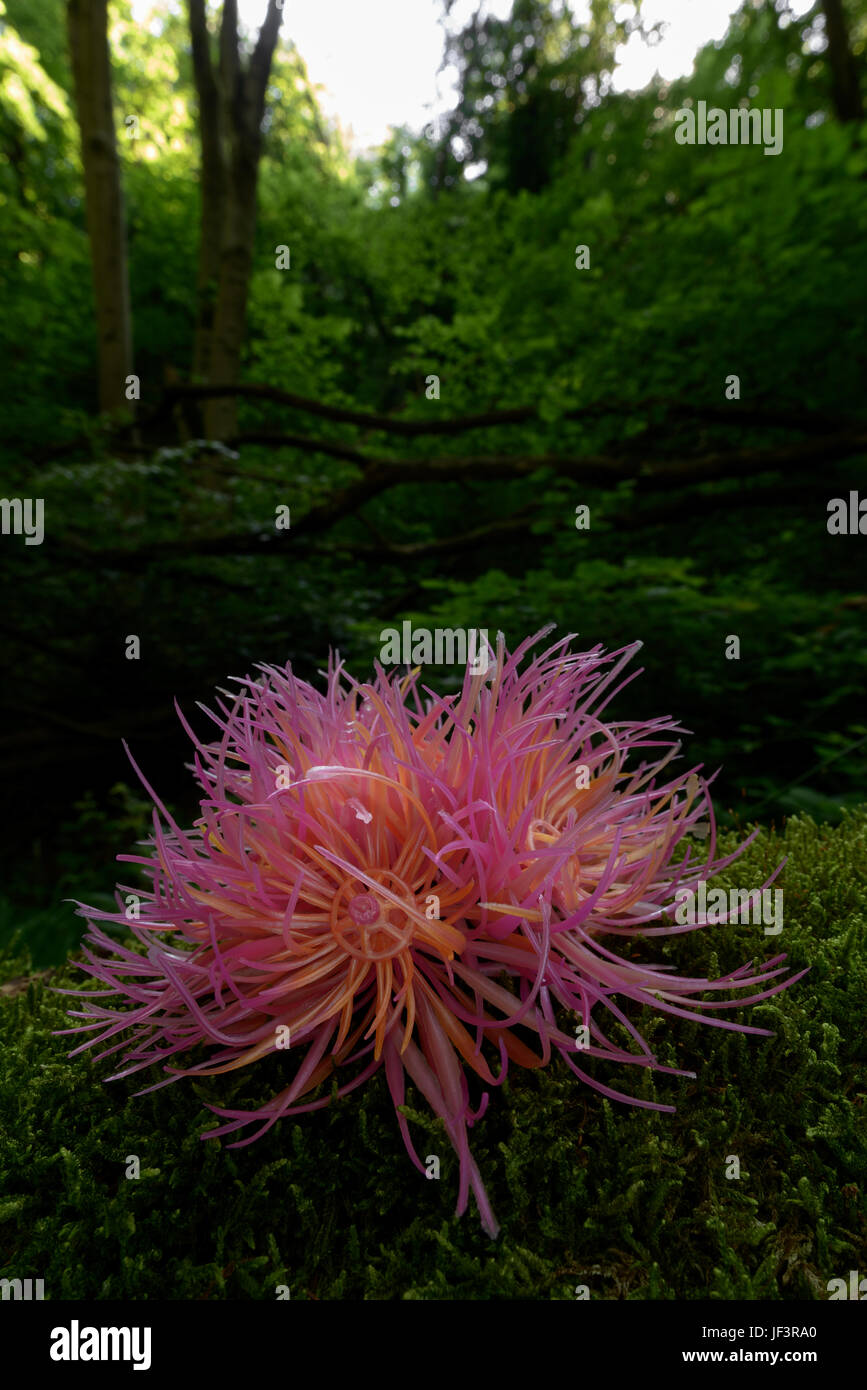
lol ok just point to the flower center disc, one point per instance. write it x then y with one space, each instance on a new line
364 909
370 928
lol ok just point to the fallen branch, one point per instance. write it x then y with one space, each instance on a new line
779 417
734 415
383 474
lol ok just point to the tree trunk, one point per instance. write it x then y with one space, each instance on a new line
845 87
91 67
231 107
212 188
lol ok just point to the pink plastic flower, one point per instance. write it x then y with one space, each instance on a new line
386 877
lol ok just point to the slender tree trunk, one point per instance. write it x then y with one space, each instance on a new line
212 188
236 258
845 85
91 67
231 108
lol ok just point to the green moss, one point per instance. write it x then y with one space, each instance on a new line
634 1204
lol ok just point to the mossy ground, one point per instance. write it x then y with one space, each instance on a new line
634 1204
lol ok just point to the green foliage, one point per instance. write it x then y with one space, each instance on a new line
524 83
703 262
634 1204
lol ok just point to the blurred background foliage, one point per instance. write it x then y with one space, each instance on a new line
451 251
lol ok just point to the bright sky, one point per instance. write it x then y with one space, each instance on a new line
377 60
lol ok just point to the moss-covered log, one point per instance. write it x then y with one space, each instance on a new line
633 1204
